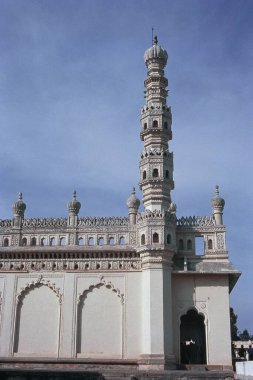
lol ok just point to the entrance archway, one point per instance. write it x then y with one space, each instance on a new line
192 338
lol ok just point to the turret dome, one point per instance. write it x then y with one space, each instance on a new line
132 201
217 201
19 206
156 51
74 205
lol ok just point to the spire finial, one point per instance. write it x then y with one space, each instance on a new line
155 40
217 191
20 196
133 190
74 194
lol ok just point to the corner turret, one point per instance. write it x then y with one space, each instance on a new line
218 204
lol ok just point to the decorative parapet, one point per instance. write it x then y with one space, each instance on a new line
97 222
147 215
196 221
45 222
6 223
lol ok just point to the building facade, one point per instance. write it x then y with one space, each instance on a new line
130 288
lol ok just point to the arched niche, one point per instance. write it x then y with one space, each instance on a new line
100 322
37 320
192 338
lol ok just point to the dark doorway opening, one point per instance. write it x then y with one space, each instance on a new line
192 338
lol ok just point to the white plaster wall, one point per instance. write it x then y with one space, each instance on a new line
38 332
210 296
100 324
37 323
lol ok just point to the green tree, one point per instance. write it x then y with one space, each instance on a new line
245 335
234 328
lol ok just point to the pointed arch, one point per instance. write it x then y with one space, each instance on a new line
39 335
192 337
100 321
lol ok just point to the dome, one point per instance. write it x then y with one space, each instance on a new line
19 206
156 51
173 208
217 201
74 205
132 201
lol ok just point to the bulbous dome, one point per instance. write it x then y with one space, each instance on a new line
74 205
19 206
217 201
156 51
173 208
132 201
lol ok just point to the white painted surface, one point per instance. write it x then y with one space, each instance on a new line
244 368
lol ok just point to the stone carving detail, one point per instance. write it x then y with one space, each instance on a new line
102 282
132 238
220 241
39 282
15 239
45 222
110 221
6 223
195 221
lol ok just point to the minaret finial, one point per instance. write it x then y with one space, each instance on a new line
152 41
20 196
155 40
74 194
217 191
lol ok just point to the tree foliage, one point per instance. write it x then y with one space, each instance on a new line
235 334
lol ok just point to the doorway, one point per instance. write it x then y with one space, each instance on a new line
192 338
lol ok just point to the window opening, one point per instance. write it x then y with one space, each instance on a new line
155 238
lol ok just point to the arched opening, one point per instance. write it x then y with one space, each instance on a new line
122 240
155 238
80 241
210 244
145 126
189 245
43 241
33 241
167 174
111 241
192 338
101 241
24 242
144 175
168 238
143 239
90 241
155 173
52 241
165 125
155 124
6 242
62 241
181 244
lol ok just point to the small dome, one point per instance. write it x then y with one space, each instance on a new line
217 201
173 208
156 51
19 206
74 205
132 201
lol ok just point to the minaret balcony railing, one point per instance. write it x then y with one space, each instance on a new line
165 133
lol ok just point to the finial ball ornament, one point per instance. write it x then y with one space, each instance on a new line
156 52
132 201
19 206
218 203
74 205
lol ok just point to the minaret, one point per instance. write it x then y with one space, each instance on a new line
156 162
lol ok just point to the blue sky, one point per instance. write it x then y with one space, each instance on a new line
71 79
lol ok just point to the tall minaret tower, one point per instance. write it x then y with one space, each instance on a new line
156 162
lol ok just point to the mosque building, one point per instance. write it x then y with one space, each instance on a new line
129 290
